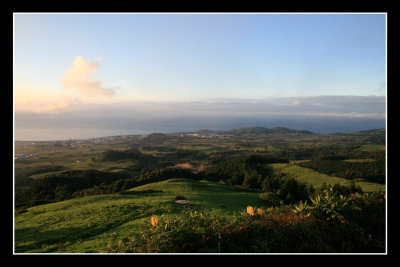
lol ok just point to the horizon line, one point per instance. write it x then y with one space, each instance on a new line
203 129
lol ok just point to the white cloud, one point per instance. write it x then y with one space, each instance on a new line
326 106
79 78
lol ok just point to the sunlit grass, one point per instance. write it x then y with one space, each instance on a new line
88 224
315 178
371 147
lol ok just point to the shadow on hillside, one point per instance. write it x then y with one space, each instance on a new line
140 192
32 239
51 240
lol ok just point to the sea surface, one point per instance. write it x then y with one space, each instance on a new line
50 129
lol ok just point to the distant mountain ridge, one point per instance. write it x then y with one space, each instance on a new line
253 130
280 129
263 130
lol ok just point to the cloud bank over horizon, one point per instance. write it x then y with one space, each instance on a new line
319 114
338 106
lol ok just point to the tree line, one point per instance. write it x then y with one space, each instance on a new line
372 171
80 183
248 171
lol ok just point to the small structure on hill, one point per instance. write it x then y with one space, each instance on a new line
182 201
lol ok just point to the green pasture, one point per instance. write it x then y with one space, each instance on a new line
315 178
90 224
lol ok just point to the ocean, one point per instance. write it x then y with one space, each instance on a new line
36 128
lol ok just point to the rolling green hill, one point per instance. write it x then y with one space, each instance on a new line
263 130
307 175
95 207
89 224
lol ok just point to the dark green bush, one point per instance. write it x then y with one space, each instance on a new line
270 198
276 230
179 197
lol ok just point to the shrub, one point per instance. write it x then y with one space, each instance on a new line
179 197
276 230
270 198
189 232
252 180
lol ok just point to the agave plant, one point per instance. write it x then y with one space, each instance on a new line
328 205
316 200
302 208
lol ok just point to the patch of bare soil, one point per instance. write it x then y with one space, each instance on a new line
190 167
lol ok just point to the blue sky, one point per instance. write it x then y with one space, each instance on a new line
203 56
158 65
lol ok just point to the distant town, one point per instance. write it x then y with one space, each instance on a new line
25 156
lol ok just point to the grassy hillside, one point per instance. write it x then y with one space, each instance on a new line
315 178
92 223
240 165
